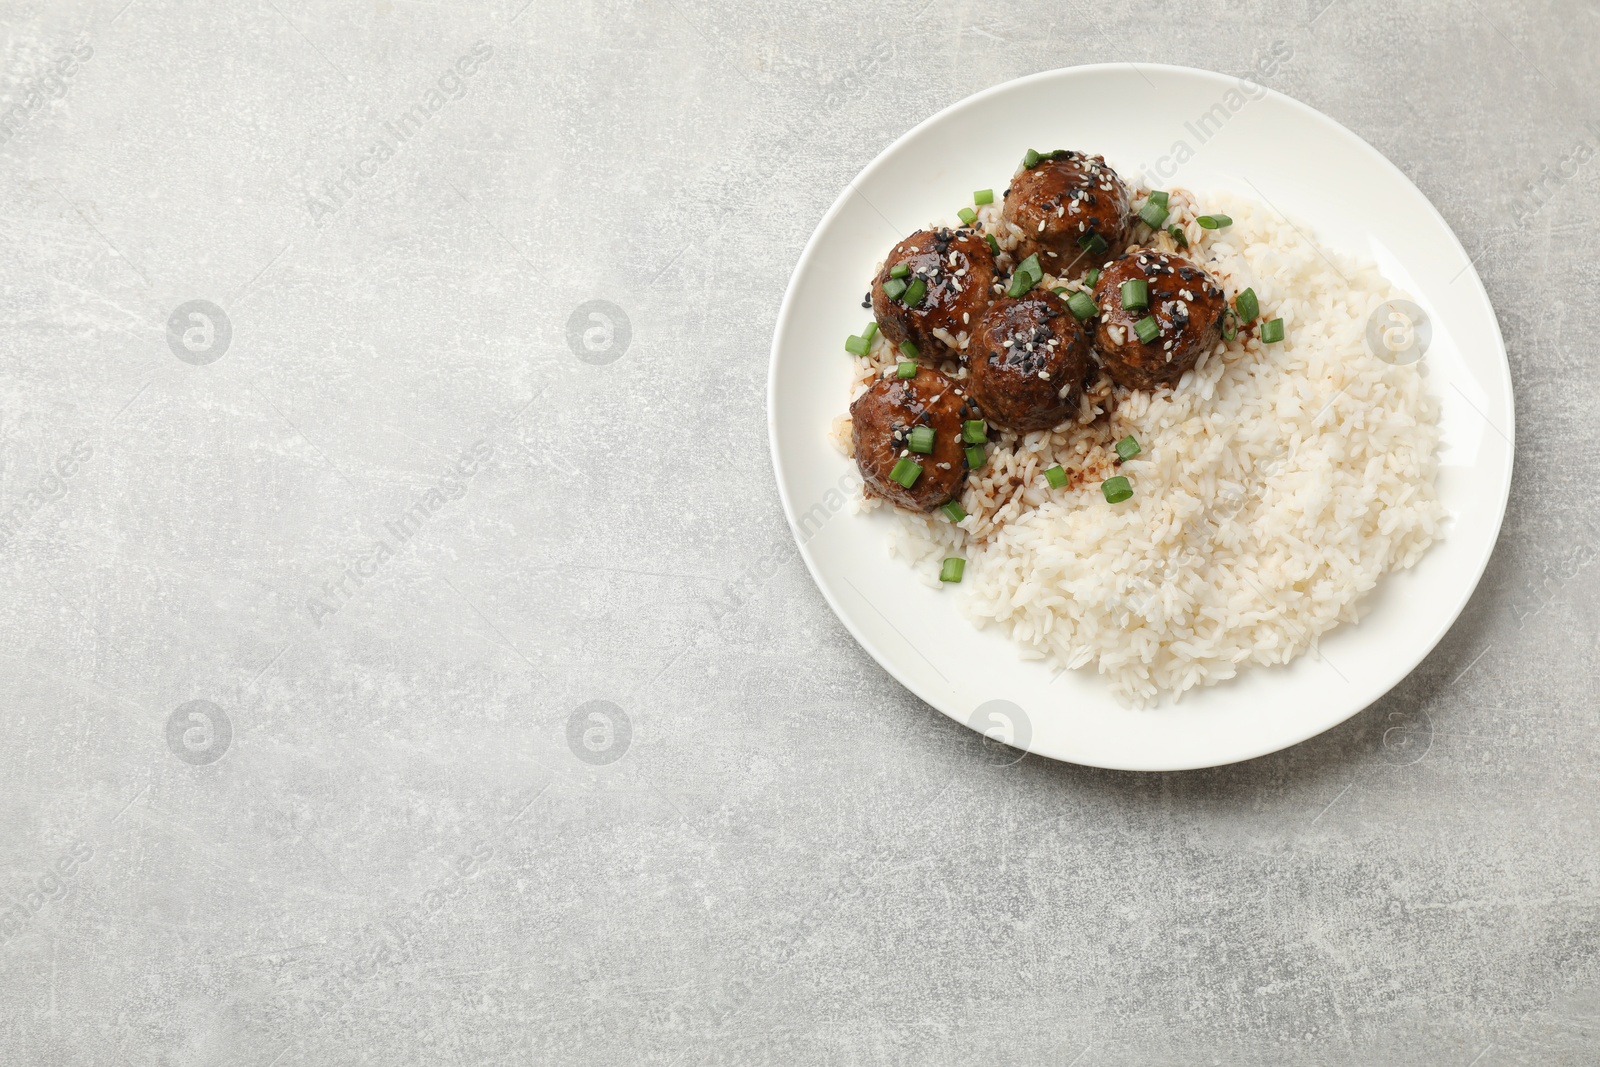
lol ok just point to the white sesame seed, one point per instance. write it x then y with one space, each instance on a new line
1041 225
965 317
1044 375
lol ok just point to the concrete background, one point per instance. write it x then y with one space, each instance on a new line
305 620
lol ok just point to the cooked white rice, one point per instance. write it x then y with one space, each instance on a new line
1275 486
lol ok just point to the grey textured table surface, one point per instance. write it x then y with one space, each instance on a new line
371 510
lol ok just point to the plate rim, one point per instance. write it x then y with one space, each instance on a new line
787 309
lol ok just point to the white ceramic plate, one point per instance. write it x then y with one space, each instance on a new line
1233 135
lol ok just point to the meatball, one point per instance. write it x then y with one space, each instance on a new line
883 418
1186 304
941 280
1028 360
1072 210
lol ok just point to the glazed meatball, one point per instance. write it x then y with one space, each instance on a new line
941 280
883 419
1027 362
1062 204
1186 304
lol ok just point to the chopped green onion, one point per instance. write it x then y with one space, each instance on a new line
906 369
1214 222
899 270
1092 278
976 457
967 215
893 288
1082 306
1153 214
1158 196
1249 307
1116 489
920 439
909 350
1176 232
1135 294
1056 476
856 345
906 472
954 511
1147 329
1026 276
1092 243
915 292
950 570
1030 159
983 196
1127 448
870 332
1059 290
974 431
1230 324
994 246
1272 332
